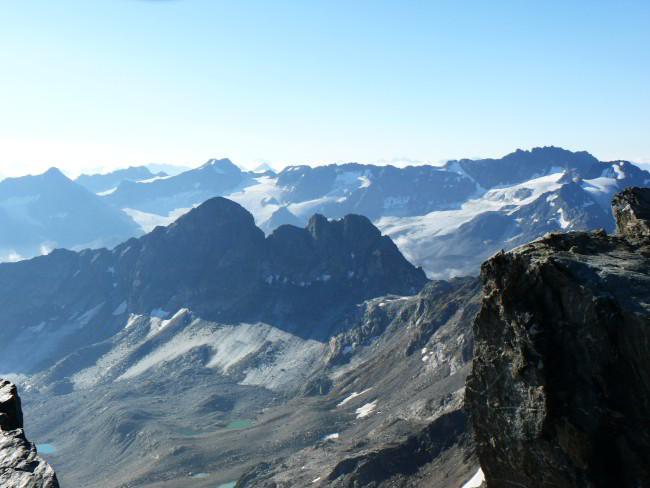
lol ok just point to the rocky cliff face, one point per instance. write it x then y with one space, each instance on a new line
559 393
213 261
19 464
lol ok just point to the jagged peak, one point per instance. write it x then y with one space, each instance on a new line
220 165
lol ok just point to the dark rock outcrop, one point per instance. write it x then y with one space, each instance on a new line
631 210
559 394
393 465
20 465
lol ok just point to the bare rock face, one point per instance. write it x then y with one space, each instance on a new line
20 465
631 209
559 394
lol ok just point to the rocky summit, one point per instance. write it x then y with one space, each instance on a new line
559 392
20 465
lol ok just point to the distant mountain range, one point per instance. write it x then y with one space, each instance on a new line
447 219
106 183
39 213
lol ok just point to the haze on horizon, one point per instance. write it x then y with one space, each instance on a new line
91 86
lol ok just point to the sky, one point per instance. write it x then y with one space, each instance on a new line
97 84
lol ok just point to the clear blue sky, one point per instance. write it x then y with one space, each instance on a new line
107 83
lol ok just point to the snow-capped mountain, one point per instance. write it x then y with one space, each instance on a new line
160 201
106 183
42 212
447 219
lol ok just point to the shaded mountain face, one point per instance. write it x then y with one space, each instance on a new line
38 213
559 390
213 261
108 182
19 461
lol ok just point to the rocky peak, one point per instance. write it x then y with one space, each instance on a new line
19 463
560 387
631 209
224 165
11 415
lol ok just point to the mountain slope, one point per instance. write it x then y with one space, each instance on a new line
214 261
38 213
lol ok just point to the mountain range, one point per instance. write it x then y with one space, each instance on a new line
236 330
206 353
446 219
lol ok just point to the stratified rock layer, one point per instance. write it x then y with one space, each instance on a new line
559 394
19 464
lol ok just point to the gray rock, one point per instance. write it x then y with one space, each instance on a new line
631 209
559 393
20 465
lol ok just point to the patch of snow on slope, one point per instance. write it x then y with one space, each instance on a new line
602 189
121 308
620 174
155 178
261 199
352 396
366 410
476 480
307 208
106 192
564 223
412 234
348 177
365 182
158 323
87 316
149 221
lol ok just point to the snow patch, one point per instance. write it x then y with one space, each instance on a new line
476 480
564 223
121 308
352 396
106 192
366 410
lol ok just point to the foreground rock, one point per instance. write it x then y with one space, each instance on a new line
559 393
19 464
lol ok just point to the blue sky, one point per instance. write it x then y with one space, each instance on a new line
107 83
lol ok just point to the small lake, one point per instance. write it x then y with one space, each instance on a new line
238 425
45 448
230 484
